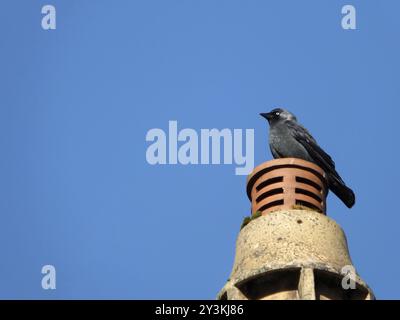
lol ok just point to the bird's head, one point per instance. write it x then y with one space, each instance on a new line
278 114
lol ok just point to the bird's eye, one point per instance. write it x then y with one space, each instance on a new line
277 114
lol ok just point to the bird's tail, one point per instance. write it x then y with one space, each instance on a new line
343 192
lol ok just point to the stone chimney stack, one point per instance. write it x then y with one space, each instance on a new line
290 249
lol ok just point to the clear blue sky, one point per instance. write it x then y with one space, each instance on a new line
76 104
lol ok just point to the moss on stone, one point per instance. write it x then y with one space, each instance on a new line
247 219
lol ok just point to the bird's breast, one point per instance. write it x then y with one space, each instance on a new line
286 145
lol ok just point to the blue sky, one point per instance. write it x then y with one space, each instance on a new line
76 104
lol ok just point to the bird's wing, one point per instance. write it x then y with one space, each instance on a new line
336 184
302 135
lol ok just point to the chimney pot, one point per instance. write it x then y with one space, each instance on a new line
285 184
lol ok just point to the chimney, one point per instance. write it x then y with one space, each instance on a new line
289 249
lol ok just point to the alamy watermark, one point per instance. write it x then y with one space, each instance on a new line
49 18
49 278
349 18
209 146
349 277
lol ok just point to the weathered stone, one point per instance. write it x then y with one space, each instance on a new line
292 254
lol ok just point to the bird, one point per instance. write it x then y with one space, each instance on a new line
289 139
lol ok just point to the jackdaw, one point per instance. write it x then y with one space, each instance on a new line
289 139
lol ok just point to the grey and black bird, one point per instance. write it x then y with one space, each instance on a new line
289 139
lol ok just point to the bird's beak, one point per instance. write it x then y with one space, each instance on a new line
266 115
